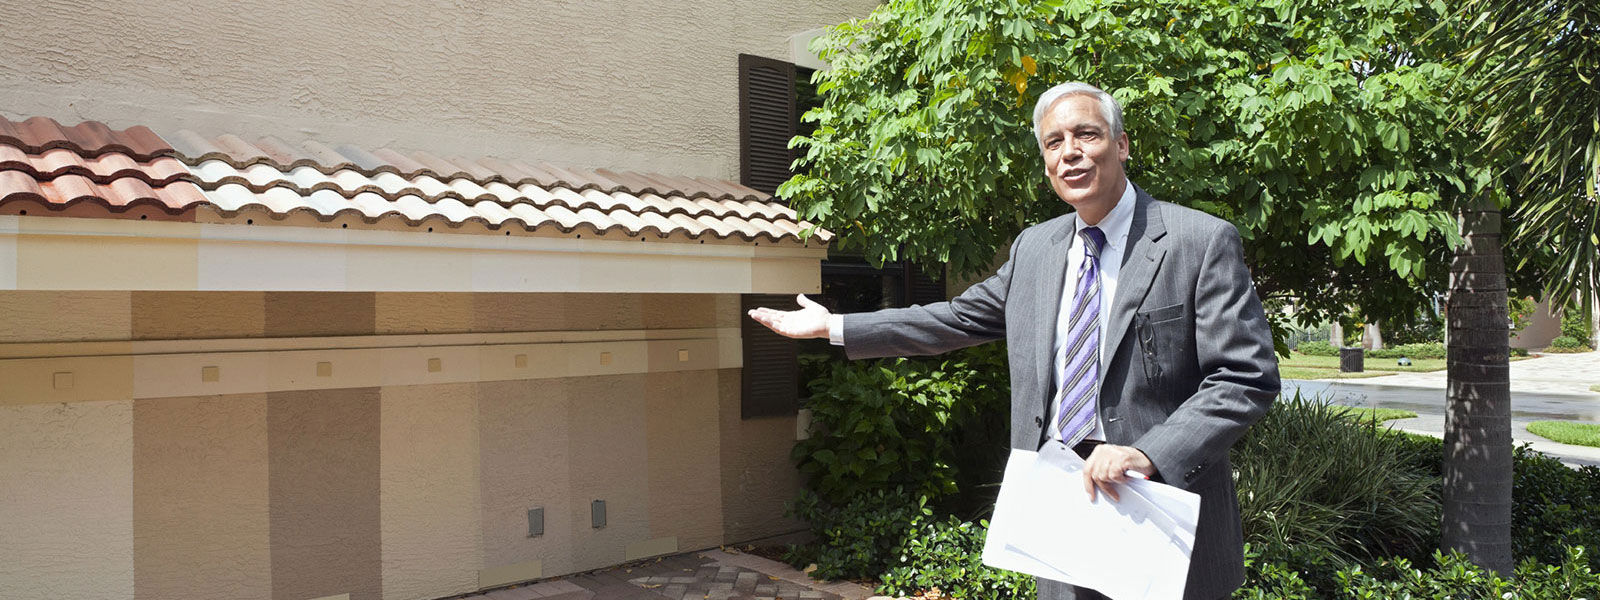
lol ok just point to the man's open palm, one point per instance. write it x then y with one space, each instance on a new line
811 321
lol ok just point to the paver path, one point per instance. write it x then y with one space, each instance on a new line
704 575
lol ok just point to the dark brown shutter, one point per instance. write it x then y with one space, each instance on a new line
766 121
924 287
771 363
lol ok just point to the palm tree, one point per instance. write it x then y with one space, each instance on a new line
1538 66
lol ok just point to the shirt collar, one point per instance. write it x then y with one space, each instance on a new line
1117 222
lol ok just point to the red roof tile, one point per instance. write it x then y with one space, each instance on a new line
134 174
89 138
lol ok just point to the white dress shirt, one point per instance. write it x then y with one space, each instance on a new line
1115 226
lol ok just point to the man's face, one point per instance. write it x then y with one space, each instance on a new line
1081 159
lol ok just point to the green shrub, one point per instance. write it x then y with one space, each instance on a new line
880 424
1575 323
1455 577
1271 580
1317 349
947 555
859 539
1519 351
1322 490
1419 350
1555 508
1565 344
1554 505
927 425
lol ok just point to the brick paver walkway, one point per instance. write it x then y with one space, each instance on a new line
705 575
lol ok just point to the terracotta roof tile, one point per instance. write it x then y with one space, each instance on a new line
90 138
54 167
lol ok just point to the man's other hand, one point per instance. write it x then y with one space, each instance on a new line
811 321
1109 465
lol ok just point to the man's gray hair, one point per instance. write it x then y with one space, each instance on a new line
1109 109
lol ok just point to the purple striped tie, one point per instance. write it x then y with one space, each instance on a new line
1080 380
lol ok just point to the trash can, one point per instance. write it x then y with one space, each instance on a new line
1350 360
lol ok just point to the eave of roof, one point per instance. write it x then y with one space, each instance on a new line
90 170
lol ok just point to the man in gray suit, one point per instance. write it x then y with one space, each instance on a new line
1133 330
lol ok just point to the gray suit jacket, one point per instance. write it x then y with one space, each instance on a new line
1188 361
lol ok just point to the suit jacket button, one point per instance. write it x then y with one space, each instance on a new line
1038 422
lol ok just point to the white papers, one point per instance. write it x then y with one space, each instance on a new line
1044 525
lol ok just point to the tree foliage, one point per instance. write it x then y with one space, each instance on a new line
1538 71
1324 131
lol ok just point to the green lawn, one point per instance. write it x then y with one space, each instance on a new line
1566 432
1301 366
1379 414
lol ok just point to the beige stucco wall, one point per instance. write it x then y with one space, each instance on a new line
66 516
1542 326
644 85
137 477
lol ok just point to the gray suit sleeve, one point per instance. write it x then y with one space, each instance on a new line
1233 345
974 317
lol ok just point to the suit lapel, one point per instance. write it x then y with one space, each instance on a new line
1055 278
1140 261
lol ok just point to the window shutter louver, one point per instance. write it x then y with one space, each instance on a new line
767 121
923 287
771 373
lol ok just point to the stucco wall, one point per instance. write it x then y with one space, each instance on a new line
382 478
640 85
1542 326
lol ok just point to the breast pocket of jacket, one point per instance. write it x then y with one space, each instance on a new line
1162 333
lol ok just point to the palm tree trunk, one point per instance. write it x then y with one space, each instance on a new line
1477 437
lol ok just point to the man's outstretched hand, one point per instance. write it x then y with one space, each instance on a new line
811 321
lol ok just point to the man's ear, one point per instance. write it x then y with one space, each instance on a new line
1122 146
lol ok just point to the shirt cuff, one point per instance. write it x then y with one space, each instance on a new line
836 330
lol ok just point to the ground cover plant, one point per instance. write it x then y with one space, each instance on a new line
1322 488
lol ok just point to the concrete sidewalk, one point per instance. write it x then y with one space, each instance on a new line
1543 374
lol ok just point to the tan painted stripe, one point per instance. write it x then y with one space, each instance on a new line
63 316
431 526
66 516
647 549
609 458
307 314
34 381
200 498
510 574
323 450
111 348
685 475
189 315
525 462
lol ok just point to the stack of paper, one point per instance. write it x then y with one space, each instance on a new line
1045 525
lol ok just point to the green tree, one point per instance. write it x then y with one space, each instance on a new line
1322 130
1536 66
1328 132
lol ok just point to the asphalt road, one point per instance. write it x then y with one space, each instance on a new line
1525 406
1428 403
